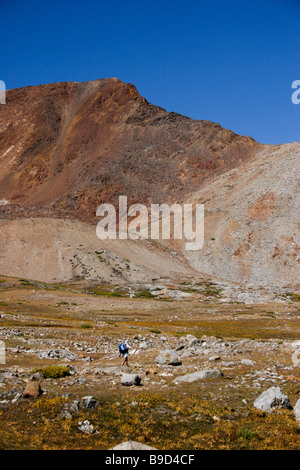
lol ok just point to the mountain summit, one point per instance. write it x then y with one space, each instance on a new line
67 147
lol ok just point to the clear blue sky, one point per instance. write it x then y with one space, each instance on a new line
232 62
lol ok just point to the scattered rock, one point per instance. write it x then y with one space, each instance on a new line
75 406
58 354
86 427
32 390
169 357
90 402
199 375
214 358
272 399
130 379
247 362
297 410
65 414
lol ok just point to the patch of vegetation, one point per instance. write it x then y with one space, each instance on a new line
53 372
190 290
111 323
145 294
107 293
158 420
247 434
86 326
212 292
244 313
292 296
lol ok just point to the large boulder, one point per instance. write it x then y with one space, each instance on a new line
32 390
132 445
272 399
297 410
199 375
168 357
130 379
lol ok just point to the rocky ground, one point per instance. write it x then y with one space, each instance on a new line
199 361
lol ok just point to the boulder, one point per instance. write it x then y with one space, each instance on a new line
75 406
89 402
86 427
247 362
192 340
169 357
130 379
32 390
132 445
272 399
297 410
214 358
199 375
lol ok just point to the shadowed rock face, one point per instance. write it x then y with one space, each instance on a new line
67 147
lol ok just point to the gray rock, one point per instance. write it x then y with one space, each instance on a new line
82 380
130 379
132 445
199 375
168 357
86 427
89 402
272 399
297 410
192 340
65 414
111 370
295 345
75 406
247 362
58 354
214 358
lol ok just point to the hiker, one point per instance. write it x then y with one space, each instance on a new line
123 350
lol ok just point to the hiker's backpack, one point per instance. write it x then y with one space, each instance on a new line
122 347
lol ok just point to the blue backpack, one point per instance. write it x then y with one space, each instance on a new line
122 348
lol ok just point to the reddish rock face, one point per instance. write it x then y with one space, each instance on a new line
67 147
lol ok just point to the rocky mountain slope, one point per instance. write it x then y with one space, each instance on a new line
252 221
67 147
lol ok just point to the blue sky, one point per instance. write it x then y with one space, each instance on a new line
232 62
